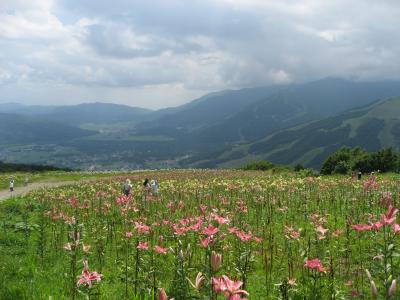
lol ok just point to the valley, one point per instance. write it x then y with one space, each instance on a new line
286 124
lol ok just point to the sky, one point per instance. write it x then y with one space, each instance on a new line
161 53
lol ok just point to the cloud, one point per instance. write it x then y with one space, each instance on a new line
148 52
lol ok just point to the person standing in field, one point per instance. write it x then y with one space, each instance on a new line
127 187
154 187
11 185
146 185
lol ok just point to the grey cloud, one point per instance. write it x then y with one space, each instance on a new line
173 19
198 45
122 41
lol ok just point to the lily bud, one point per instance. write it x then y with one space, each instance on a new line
86 248
77 238
85 266
67 247
199 280
198 284
368 274
162 295
216 260
392 289
374 290
181 256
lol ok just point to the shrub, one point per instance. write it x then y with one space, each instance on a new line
261 165
356 159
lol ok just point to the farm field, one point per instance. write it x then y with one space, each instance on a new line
217 234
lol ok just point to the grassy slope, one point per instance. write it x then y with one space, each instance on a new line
19 177
20 262
371 127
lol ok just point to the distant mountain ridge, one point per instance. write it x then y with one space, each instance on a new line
371 127
79 114
295 105
220 129
205 111
16 129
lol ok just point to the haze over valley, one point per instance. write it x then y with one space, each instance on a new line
287 124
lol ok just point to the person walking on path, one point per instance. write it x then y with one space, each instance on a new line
11 185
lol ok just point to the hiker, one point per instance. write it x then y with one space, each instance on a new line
359 175
127 187
154 187
11 185
26 181
146 186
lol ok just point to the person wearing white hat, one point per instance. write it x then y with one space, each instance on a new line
127 187
11 185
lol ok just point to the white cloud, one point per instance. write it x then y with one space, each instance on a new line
22 5
279 76
150 52
29 20
4 76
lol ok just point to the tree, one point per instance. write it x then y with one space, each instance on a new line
262 165
357 159
339 158
384 160
298 167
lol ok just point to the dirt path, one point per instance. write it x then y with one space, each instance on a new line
22 190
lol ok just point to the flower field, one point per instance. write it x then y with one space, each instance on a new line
204 235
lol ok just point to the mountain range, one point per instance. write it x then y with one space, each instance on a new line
372 127
288 124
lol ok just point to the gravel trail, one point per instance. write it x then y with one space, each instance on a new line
22 190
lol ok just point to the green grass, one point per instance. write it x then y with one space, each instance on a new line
54 176
34 229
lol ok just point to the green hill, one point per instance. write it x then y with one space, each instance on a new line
294 105
16 129
201 113
225 128
228 118
96 113
9 167
371 127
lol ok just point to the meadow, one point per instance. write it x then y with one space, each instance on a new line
205 235
51 176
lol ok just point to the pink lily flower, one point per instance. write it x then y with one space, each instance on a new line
162 295
244 237
315 264
210 230
390 216
160 250
361 227
230 289
143 246
205 242
88 277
